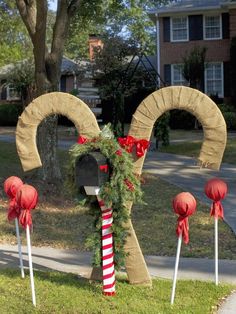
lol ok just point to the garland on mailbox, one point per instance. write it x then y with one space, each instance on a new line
122 187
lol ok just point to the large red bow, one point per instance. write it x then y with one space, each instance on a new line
129 142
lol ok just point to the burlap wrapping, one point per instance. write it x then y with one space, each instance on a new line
213 146
178 97
53 103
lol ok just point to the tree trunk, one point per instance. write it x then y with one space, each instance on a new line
47 130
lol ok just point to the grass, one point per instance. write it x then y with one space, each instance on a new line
66 293
192 149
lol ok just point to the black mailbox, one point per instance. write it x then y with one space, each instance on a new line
91 169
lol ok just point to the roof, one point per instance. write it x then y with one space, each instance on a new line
191 6
68 66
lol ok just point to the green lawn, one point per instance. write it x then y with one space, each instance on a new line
192 149
61 293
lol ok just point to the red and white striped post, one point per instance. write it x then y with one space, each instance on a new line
108 269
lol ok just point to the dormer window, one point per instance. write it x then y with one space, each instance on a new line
212 27
179 28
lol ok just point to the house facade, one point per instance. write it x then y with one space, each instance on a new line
185 24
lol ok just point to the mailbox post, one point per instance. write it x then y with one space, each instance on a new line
92 171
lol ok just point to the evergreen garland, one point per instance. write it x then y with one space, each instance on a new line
122 187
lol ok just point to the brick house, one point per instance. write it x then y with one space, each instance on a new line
183 25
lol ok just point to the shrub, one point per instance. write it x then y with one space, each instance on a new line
181 119
230 120
9 114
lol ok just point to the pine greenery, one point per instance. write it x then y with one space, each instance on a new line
123 186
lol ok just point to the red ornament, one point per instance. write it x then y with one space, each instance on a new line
129 185
216 190
81 140
119 152
184 205
103 168
26 198
11 185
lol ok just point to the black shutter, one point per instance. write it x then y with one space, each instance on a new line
167 74
3 90
227 87
63 84
195 27
166 28
225 25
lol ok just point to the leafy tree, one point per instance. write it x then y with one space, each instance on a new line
15 44
194 65
21 77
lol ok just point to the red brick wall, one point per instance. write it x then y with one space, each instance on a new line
217 50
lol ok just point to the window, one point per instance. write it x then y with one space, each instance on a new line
176 75
214 79
12 93
212 27
179 28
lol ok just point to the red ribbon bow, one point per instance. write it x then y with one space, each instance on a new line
129 142
11 185
27 198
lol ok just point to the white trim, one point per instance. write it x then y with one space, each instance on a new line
8 95
158 51
172 74
171 29
222 78
204 27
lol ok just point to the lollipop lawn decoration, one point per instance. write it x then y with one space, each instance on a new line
11 185
184 205
27 198
216 189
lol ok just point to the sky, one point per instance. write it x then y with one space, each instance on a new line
53 5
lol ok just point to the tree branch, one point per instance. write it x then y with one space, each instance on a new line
27 9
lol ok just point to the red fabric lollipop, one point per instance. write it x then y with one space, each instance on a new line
11 185
184 205
26 198
216 190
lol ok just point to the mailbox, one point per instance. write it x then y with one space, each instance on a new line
92 169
